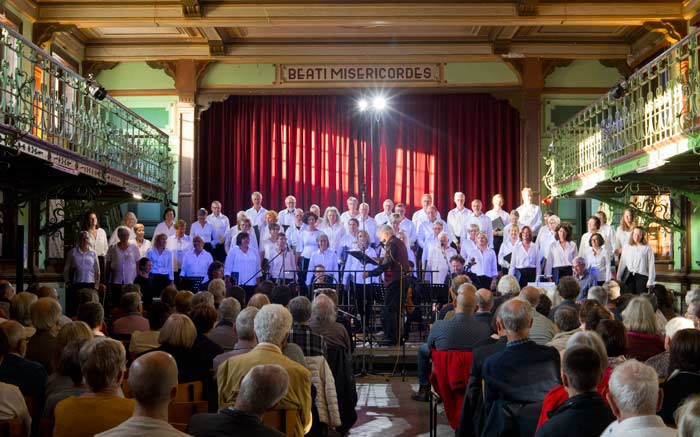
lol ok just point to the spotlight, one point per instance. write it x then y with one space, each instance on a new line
620 89
137 196
379 103
96 90
362 105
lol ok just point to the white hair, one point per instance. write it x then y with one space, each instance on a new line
272 324
599 294
676 324
516 315
592 340
692 296
508 284
263 387
323 309
229 308
688 417
443 234
635 388
245 322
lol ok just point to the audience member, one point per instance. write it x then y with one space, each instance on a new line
660 362
261 389
568 290
281 294
542 330
258 300
323 322
614 336
484 304
45 314
142 341
103 363
203 297
29 376
567 321
204 317
684 370
93 315
544 307
153 384
664 303
68 367
643 339
7 292
245 334
133 320
183 302
591 317
688 417
583 276
73 331
224 333
599 294
168 295
20 310
12 404
634 398
272 325
237 293
217 287
311 343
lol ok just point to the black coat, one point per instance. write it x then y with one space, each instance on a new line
229 423
580 416
676 389
340 362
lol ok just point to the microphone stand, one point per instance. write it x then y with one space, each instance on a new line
264 266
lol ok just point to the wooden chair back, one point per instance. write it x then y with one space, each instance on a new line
282 420
12 428
190 392
179 413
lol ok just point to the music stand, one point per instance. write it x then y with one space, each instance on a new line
364 259
194 282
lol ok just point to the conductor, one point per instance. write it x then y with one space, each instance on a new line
394 265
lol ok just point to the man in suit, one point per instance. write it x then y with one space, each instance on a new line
271 325
461 333
261 389
29 376
517 379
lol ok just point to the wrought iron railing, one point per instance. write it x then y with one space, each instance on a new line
42 99
658 103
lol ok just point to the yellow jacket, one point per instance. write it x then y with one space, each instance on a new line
232 371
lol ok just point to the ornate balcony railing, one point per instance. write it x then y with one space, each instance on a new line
658 104
43 102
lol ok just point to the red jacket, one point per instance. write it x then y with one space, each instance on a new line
449 379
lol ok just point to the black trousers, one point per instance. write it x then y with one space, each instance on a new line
394 294
636 283
219 253
160 282
527 274
303 270
560 272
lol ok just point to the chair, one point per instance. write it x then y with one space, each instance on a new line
449 380
179 413
282 420
32 407
190 392
12 428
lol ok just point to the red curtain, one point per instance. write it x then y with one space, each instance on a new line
315 146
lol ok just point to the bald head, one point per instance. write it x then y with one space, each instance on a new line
516 317
484 299
531 295
15 334
466 301
153 379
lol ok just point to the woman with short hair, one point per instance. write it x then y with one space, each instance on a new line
561 253
637 271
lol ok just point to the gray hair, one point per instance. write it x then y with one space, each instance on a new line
262 388
300 308
323 309
45 313
203 297
688 417
676 324
508 284
578 260
20 307
516 315
272 324
101 361
152 377
566 318
639 316
599 294
467 286
217 287
592 340
130 302
484 299
229 309
245 323
635 388
692 296
385 229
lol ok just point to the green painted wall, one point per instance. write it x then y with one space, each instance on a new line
583 74
479 73
135 76
221 74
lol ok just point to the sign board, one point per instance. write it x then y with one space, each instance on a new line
34 151
90 171
291 73
116 180
64 164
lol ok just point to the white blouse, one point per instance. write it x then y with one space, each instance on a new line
609 236
335 235
352 264
560 256
600 263
257 218
638 259
246 264
530 215
87 268
308 243
163 228
526 258
206 231
506 249
457 220
99 244
178 248
294 237
370 226
439 261
283 266
144 247
122 263
328 259
114 238
162 262
428 244
485 262
622 238
196 265
485 226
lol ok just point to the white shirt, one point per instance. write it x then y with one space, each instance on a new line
246 264
294 237
196 265
335 234
382 218
99 244
352 264
525 259
162 262
560 256
439 261
163 228
609 236
178 248
370 226
426 229
506 249
493 214
530 215
457 220
465 245
641 426
144 247
407 226
485 262
221 226
344 217
328 259
286 217
13 405
205 231
86 265
114 238
622 238
544 240
257 218
123 263
308 243
485 226
283 266
420 216
144 426
251 234
599 263
429 243
638 258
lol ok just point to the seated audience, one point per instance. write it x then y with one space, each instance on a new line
688 417
272 325
133 320
12 404
183 302
168 295
281 294
599 294
103 363
660 362
73 331
634 398
261 389
519 376
461 333
7 292
29 376
568 290
542 330
568 324
93 315
237 293
204 316
665 302
224 333
41 348
584 413
323 322
484 305
584 277
145 281
142 341
643 339
258 300
591 316
68 367
153 384
203 297
545 305
46 291
245 336
684 370
301 334
614 336
20 310
217 287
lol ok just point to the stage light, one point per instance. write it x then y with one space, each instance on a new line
362 105
620 90
379 103
137 196
96 90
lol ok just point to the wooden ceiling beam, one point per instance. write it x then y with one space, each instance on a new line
223 14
